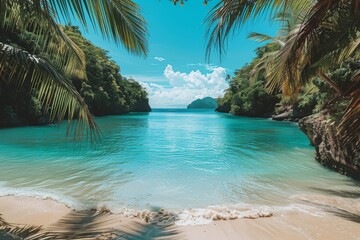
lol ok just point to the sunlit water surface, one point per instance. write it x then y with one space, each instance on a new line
167 158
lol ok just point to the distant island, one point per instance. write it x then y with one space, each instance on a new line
205 103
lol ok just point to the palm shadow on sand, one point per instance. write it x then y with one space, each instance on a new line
340 193
89 224
338 211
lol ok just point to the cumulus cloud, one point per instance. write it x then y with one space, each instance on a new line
186 87
160 59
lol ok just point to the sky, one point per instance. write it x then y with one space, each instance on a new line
176 72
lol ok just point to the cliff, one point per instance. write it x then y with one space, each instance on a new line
330 152
141 105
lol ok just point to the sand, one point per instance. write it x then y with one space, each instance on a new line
58 221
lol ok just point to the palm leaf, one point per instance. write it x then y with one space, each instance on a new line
22 20
350 51
228 16
55 91
54 56
349 127
263 37
119 20
315 16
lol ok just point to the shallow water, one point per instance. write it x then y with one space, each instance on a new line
172 159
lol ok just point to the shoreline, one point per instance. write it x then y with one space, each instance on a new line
56 218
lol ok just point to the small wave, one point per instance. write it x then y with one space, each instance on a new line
52 195
197 216
184 217
203 216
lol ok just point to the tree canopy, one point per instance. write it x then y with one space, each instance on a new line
34 50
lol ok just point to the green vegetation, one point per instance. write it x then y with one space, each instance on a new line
36 54
104 91
247 95
318 41
204 103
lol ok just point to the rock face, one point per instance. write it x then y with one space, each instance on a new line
284 116
226 108
330 152
141 106
288 113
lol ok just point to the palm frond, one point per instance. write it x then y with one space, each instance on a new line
46 36
350 51
329 81
55 91
119 20
349 127
321 11
282 75
227 16
263 37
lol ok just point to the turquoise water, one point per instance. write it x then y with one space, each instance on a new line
167 158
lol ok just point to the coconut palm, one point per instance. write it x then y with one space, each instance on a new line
227 16
326 35
34 49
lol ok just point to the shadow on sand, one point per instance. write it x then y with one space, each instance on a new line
350 216
340 193
90 224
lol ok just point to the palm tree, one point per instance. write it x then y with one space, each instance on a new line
326 34
50 57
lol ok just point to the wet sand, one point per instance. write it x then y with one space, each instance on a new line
58 220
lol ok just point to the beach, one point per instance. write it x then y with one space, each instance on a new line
250 179
56 219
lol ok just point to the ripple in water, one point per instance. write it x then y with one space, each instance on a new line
173 159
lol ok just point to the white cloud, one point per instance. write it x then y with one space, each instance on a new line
186 87
209 67
160 59
147 79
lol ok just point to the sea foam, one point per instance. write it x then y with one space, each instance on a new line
198 216
182 217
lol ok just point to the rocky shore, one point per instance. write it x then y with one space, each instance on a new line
330 152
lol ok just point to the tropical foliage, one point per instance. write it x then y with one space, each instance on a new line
35 51
106 91
246 95
204 103
319 38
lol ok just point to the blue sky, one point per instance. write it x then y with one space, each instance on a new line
176 72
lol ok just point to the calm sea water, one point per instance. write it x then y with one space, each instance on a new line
167 158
